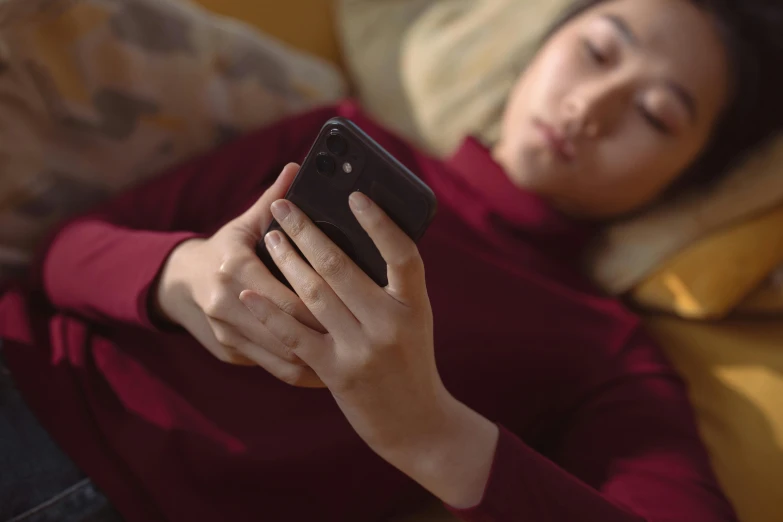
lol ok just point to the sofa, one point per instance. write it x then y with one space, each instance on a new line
734 365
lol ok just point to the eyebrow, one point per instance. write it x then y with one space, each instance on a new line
631 39
624 29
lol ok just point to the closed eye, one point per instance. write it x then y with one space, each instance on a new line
655 122
594 53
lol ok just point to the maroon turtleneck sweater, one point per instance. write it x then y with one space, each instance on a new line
596 425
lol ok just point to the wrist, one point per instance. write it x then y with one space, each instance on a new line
172 287
452 456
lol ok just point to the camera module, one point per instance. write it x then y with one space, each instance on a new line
336 144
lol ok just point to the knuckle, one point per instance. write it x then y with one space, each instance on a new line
332 264
287 257
409 261
216 304
296 226
224 274
289 356
232 267
312 292
290 343
223 355
291 375
226 270
224 337
288 307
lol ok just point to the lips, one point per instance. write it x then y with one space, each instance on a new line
557 142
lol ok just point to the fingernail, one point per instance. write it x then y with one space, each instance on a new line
272 239
359 201
281 209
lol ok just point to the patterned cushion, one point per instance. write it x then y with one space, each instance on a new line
96 95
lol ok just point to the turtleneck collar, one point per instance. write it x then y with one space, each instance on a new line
492 203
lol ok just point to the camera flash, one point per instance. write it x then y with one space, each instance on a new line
347 167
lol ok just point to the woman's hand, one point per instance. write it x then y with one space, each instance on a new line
200 284
377 357
378 353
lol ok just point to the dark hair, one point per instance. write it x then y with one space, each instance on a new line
752 32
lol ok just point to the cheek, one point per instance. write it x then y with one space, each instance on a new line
559 70
544 83
636 166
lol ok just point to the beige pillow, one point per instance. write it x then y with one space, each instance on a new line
96 96
371 33
436 70
460 60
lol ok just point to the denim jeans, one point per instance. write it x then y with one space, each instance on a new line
38 482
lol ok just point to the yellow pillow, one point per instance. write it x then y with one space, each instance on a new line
734 371
709 279
767 300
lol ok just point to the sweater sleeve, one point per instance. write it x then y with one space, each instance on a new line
103 265
630 452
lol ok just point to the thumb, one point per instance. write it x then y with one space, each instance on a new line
258 217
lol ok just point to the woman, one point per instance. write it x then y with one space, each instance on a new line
547 403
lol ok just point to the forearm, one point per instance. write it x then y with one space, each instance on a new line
102 265
105 272
451 456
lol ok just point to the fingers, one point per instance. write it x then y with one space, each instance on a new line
257 218
245 331
202 332
310 346
405 269
297 375
231 326
240 272
319 297
269 353
353 287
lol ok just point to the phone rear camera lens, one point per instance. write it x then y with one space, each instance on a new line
324 164
336 144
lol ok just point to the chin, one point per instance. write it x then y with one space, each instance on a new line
521 179
515 170
527 173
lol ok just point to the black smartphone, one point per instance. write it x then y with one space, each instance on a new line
343 160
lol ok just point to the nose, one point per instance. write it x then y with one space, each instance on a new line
593 107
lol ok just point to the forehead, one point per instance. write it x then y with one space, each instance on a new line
680 40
